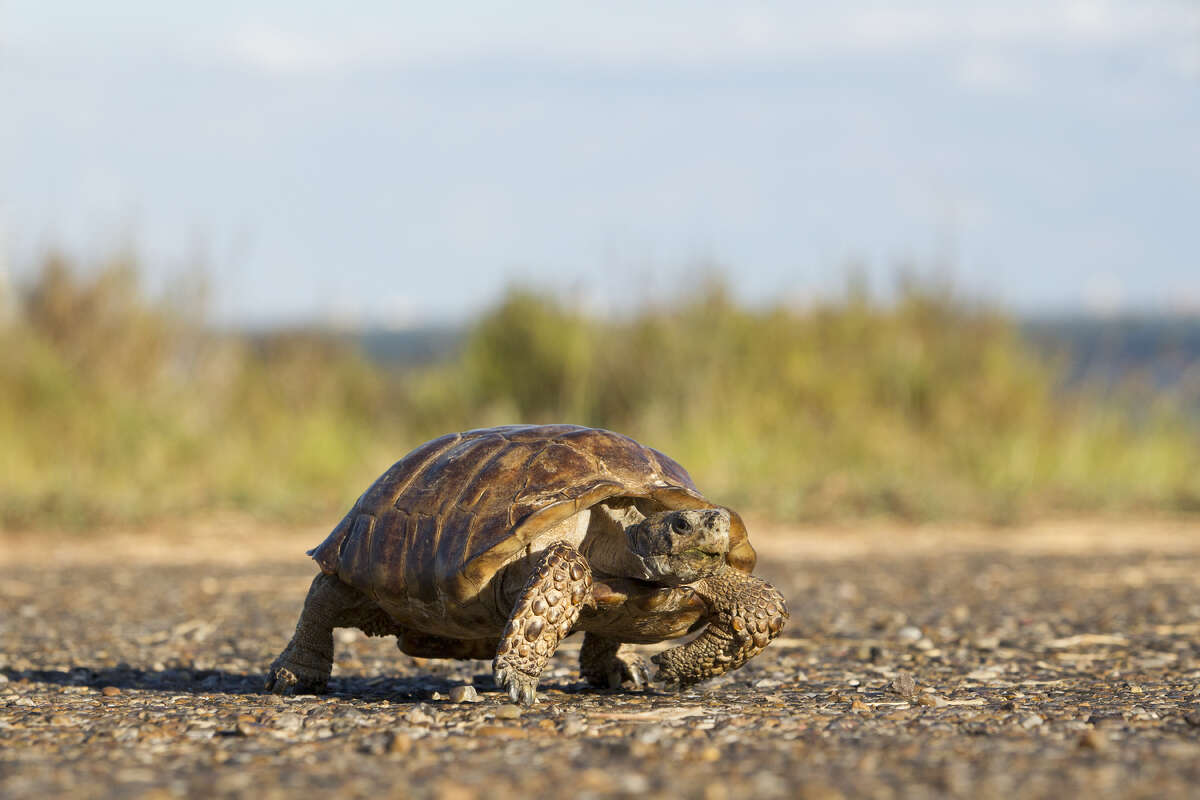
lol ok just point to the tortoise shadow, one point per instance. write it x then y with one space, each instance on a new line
182 680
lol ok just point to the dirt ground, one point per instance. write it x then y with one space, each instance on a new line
1055 660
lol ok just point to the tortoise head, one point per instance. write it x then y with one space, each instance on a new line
678 547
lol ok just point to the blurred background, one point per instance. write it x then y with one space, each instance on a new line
929 261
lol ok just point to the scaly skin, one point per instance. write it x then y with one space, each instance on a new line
603 665
304 665
747 613
556 591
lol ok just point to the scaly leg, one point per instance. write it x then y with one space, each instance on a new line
304 665
556 591
603 665
747 613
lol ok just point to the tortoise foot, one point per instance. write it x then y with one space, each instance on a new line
521 687
603 665
627 668
287 677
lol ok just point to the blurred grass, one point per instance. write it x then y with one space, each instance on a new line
115 408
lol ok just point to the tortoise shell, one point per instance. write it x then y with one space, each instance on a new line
439 524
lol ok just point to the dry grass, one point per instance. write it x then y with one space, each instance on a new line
117 409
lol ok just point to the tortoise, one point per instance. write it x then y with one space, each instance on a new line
498 542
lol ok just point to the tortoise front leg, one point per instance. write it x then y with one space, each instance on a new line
556 591
747 613
602 664
305 664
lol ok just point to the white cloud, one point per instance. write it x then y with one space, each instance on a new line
991 72
273 50
709 33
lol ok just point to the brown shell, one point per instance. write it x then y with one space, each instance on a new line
443 519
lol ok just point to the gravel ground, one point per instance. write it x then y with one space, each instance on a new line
916 664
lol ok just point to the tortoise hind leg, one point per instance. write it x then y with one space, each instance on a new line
305 664
556 591
603 665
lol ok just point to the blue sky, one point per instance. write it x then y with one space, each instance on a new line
405 162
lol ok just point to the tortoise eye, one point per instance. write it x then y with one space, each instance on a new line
681 525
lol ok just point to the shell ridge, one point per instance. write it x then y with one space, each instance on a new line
466 537
601 465
525 483
404 485
484 464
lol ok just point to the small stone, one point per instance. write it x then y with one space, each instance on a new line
1032 721
1093 740
464 694
508 711
574 724
418 717
247 727
1192 719
904 685
931 700
859 707
399 744
110 691
502 731
987 643
909 633
289 722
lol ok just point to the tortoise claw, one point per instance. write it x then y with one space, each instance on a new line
521 688
629 667
284 680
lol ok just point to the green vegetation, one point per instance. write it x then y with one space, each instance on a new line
114 408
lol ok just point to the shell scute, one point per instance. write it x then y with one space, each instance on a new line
421 551
443 479
385 575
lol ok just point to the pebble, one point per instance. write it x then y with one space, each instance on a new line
464 694
418 717
931 700
904 685
909 633
288 722
502 731
573 724
1032 721
110 691
508 711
